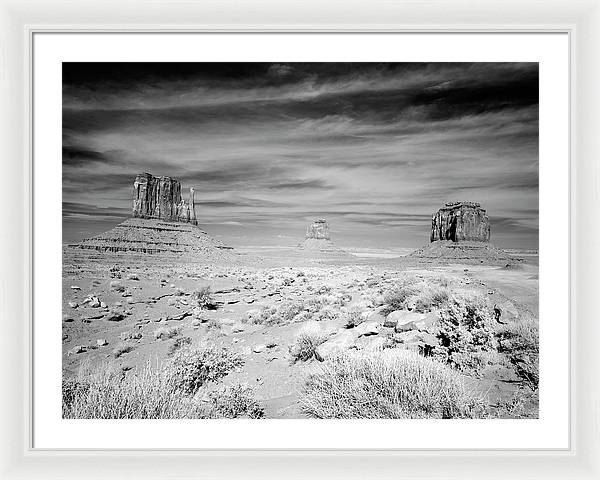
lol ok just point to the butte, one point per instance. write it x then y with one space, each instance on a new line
162 223
460 232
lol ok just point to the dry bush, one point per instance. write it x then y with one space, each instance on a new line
105 392
156 393
430 297
192 367
179 343
518 340
121 350
164 333
306 341
234 401
466 333
313 308
354 316
388 384
204 298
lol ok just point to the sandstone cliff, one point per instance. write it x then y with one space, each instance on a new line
160 198
460 222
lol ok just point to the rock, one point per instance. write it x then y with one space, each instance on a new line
103 305
403 320
249 300
318 230
460 221
117 286
101 342
73 304
115 316
340 342
227 321
259 348
94 303
68 318
132 276
368 328
237 328
75 287
77 349
160 198
375 317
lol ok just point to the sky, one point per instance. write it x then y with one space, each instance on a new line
375 149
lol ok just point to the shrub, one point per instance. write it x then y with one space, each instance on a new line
308 338
204 298
354 317
234 401
104 392
519 341
193 367
431 297
466 333
396 298
179 343
164 333
389 383
121 350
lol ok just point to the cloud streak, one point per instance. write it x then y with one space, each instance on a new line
376 148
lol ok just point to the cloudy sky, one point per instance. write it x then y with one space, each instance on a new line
375 149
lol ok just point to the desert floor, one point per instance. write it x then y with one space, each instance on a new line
154 292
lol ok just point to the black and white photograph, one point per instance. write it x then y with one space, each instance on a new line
300 240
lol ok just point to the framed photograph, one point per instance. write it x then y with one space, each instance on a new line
298 249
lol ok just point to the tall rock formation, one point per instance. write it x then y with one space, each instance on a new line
318 238
160 198
318 230
460 222
460 233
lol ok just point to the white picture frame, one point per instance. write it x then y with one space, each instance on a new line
19 22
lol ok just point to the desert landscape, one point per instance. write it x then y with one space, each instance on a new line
300 241
273 333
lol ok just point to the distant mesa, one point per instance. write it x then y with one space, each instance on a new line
162 223
460 232
160 198
460 222
318 237
318 230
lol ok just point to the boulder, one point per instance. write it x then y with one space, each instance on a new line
402 320
340 342
368 328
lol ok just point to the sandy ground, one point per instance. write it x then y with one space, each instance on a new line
154 292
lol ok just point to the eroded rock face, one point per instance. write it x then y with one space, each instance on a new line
160 198
318 230
460 222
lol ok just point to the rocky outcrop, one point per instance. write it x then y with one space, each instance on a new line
160 198
318 230
318 238
150 236
460 222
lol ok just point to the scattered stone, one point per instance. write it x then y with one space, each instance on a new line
238 328
132 276
117 286
77 349
115 316
73 304
259 348
101 342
